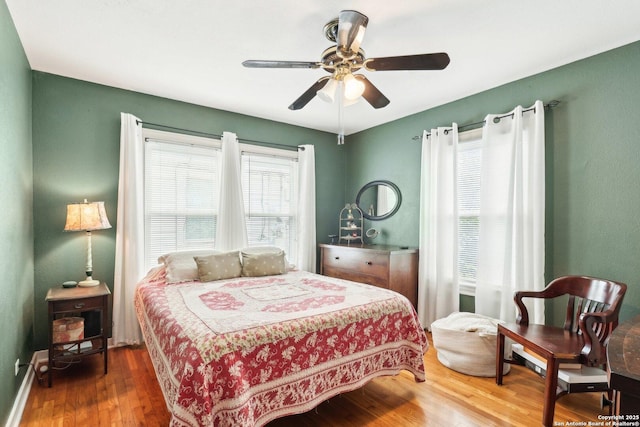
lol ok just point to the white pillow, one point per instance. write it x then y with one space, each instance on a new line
181 267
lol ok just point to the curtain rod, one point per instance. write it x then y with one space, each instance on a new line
213 135
549 105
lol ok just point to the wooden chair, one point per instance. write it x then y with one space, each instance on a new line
592 314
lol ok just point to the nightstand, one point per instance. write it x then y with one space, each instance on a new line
90 306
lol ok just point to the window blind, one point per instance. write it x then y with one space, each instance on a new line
181 197
270 189
469 158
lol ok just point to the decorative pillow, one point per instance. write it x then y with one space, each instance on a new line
263 261
219 266
181 267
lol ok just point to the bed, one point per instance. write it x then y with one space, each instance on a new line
248 347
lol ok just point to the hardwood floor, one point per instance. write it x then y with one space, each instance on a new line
129 395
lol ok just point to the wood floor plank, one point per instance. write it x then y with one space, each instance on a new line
129 395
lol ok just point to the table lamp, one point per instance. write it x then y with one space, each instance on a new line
87 217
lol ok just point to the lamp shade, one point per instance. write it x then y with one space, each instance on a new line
353 88
86 216
328 92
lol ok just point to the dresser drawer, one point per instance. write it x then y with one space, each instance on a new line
355 276
84 304
385 266
368 263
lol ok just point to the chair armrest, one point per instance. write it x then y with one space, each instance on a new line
523 314
596 328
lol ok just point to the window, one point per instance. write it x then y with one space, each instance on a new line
469 158
270 187
182 191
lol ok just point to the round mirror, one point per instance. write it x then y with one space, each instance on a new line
379 200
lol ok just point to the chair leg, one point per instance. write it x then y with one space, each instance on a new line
499 358
607 400
550 392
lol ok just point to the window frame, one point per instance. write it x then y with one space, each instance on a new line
176 139
291 155
216 143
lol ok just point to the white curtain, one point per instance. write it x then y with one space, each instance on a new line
129 262
511 241
231 230
438 265
306 209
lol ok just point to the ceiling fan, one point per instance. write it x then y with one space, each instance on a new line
346 58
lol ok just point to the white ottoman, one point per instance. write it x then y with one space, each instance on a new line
466 342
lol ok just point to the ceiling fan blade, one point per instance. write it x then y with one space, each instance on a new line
371 93
351 27
257 63
427 61
309 94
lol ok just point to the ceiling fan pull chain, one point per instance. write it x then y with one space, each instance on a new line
340 112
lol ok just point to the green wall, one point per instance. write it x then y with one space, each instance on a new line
59 143
16 227
592 162
76 140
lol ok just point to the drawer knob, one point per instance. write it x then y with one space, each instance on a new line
337 257
79 305
369 263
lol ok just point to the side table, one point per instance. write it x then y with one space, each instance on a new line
72 302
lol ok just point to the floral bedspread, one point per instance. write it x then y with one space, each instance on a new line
242 352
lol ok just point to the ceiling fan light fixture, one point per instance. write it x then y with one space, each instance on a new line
348 102
328 92
353 88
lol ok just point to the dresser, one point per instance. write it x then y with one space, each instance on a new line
385 266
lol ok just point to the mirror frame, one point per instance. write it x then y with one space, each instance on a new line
389 184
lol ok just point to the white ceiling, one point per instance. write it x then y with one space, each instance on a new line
192 50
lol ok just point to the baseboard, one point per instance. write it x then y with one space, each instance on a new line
23 393
39 358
